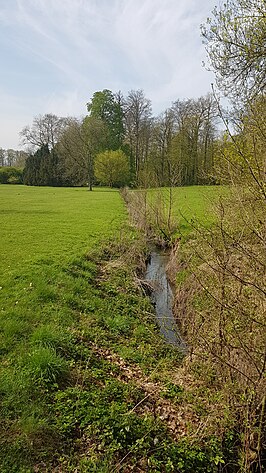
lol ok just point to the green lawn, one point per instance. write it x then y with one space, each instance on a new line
44 235
196 201
58 223
196 205
191 206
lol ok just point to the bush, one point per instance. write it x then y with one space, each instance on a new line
112 168
11 175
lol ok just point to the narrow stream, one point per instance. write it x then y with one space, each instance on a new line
162 298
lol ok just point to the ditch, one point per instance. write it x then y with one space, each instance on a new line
162 297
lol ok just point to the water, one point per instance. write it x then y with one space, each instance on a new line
162 298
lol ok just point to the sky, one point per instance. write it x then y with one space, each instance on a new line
56 53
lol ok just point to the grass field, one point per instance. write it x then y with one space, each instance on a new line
72 326
191 205
63 222
54 222
196 202
43 231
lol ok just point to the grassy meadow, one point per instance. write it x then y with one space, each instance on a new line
46 222
78 343
190 205
45 233
196 202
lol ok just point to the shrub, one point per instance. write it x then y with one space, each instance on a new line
11 175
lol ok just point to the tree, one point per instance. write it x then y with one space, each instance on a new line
161 137
2 157
192 146
33 172
45 130
72 156
235 41
21 157
41 168
105 106
11 157
227 330
112 168
80 142
137 111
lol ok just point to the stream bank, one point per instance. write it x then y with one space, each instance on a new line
156 225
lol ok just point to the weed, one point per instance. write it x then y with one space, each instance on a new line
45 367
52 336
172 391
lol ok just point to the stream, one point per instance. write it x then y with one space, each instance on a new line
162 298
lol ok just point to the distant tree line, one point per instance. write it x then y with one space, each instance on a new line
11 175
12 163
176 148
12 158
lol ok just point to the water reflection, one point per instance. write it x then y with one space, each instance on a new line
162 297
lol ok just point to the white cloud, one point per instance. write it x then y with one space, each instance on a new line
80 46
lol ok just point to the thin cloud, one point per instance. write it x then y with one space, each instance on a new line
75 47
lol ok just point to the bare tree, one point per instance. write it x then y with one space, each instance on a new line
192 145
2 156
80 142
160 143
137 113
11 157
45 130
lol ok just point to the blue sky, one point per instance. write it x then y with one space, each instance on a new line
56 53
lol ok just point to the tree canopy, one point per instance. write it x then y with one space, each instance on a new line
105 106
45 130
112 168
175 148
41 168
235 39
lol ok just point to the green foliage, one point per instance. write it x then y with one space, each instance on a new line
41 169
176 148
106 107
79 143
173 391
112 168
11 175
235 41
104 412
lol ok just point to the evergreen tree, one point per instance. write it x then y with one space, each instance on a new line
42 168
